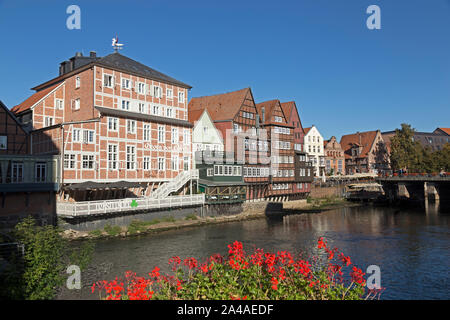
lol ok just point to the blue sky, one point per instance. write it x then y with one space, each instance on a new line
343 76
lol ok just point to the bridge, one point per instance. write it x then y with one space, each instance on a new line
420 188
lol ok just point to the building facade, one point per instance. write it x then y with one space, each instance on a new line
313 146
334 157
303 169
27 183
365 152
281 136
110 119
234 114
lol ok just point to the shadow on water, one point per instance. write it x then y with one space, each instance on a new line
410 247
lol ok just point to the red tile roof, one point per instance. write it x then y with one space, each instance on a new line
364 139
268 106
306 130
33 99
446 130
194 115
223 106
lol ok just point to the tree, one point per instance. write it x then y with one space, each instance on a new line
40 272
405 152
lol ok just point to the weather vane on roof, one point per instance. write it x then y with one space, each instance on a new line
116 45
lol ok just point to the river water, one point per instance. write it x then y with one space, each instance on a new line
411 247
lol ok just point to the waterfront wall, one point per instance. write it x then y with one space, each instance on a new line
323 192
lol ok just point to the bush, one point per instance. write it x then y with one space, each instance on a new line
95 233
257 276
41 271
191 217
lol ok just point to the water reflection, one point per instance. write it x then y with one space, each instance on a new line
411 247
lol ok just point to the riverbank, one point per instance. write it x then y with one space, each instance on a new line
251 210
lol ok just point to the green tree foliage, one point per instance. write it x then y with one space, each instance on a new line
409 155
41 271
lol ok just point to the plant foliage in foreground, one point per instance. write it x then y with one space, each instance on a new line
260 275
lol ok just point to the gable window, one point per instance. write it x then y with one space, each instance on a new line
77 82
69 161
181 97
88 161
108 80
40 172
48 121
59 104
278 119
76 104
113 124
126 83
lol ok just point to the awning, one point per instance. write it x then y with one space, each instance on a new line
91 185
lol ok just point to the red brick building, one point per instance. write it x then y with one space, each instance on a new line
110 119
334 157
235 115
281 136
304 171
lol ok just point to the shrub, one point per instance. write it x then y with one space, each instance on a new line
95 233
39 273
260 275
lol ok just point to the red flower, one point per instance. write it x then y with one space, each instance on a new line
274 283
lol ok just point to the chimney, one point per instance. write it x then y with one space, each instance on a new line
78 54
93 54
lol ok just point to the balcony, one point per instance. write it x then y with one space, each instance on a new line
104 207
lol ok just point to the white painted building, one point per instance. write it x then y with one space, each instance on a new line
205 136
314 146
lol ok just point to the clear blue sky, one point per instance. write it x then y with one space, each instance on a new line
343 77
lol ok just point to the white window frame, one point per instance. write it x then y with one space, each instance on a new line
181 96
48 121
146 163
161 134
130 157
40 172
110 82
127 104
59 103
169 93
147 132
113 156
174 136
126 83
76 135
90 161
77 82
131 126
141 88
113 124
161 164
69 161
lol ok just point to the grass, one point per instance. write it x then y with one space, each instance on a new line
112 230
95 233
191 217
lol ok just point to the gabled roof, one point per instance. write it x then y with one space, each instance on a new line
194 115
445 130
362 139
117 61
269 106
9 112
33 99
306 130
220 107
287 110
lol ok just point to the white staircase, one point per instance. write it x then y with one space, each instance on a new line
174 185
